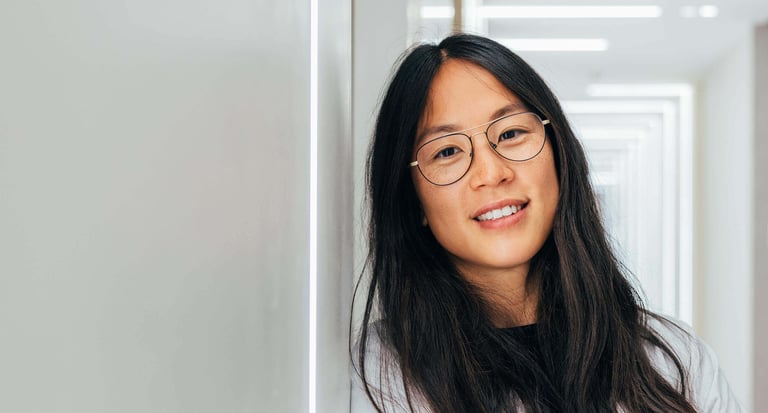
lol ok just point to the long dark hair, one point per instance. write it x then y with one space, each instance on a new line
591 330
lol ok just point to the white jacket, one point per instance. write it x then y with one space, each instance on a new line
710 390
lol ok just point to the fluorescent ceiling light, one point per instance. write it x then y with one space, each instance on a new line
708 11
556 45
639 90
314 36
556 12
437 12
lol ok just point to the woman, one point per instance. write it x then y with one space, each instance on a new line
493 287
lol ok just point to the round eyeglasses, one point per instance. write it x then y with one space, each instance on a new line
446 159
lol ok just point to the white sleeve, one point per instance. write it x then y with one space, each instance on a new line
386 384
359 402
710 392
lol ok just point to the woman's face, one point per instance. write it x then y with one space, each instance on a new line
462 96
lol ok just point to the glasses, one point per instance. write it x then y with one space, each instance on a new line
446 159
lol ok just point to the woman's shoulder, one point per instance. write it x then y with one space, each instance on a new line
383 375
709 389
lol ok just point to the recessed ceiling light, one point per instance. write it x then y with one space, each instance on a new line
708 11
556 45
584 12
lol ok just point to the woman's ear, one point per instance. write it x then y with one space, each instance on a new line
424 222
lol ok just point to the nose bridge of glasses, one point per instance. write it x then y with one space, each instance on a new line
483 132
487 137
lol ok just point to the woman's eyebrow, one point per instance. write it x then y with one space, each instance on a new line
452 128
508 110
434 130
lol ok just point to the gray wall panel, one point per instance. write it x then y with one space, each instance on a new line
154 179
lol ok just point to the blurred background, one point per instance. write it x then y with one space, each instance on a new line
181 183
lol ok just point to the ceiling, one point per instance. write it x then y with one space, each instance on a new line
670 48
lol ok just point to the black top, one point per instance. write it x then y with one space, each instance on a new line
528 338
525 334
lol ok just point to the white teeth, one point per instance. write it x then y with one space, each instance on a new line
499 213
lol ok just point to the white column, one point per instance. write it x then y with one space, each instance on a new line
761 220
380 33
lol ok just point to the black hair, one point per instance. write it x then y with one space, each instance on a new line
592 329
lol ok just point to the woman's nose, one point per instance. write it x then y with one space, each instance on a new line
488 167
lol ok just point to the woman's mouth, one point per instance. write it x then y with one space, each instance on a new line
499 213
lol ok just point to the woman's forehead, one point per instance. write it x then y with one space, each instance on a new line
464 95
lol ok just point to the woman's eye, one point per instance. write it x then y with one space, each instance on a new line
510 134
447 152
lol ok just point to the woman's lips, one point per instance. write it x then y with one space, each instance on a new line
502 217
497 213
499 209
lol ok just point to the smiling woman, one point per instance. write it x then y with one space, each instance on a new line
493 287
472 218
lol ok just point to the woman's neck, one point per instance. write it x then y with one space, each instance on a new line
511 296
516 310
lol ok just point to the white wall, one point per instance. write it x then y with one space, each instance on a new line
380 33
761 220
724 181
154 189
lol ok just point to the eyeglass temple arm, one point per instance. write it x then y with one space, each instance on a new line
414 163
